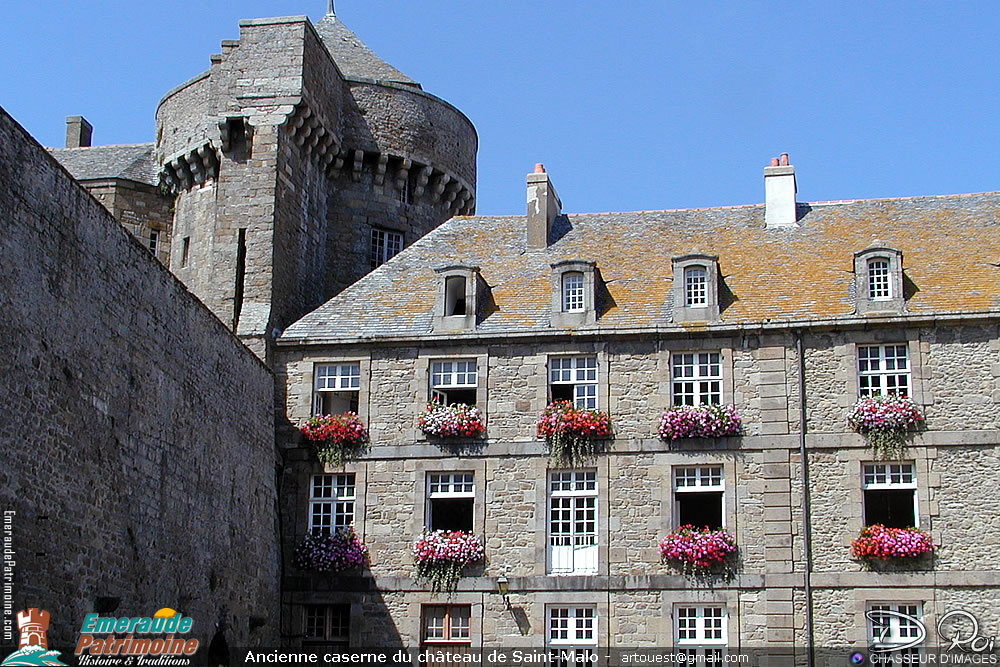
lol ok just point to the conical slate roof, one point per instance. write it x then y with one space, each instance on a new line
355 60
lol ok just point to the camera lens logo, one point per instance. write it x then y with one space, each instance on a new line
857 658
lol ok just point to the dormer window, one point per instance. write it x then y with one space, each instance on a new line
696 288
574 293
878 284
459 294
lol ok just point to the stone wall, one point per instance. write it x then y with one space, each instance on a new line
137 435
140 208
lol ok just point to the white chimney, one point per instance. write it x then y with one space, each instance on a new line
779 194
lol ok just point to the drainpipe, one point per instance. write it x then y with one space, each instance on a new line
806 519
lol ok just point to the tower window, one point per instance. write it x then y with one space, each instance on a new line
879 284
154 241
185 250
384 246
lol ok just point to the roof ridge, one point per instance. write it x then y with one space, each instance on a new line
84 148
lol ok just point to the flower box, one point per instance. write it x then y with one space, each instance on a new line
696 550
459 420
441 556
330 553
335 438
879 542
705 421
884 421
570 432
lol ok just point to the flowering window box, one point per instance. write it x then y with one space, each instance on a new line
705 421
330 553
448 421
335 438
885 422
696 550
881 543
571 433
441 556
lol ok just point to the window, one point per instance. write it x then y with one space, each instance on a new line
459 297
328 625
697 378
385 245
185 250
572 292
573 522
700 632
879 283
695 286
154 241
337 388
447 624
331 502
454 296
890 494
454 382
572 635
451 497
698 497
883 370
574 379
895 625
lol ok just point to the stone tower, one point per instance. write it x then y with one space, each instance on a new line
299 161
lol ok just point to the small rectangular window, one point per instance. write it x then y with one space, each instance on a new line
572 292
454 382
883 370
327 625
451 498
446 634
879 285
154 241
892 625
574 379
890 494
571 635
185 250
695 286
699 494
573 522
384 246
331 502
700 633
454 296
336 388
697 378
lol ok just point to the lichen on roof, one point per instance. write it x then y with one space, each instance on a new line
950 247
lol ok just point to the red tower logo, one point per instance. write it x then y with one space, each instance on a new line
33 624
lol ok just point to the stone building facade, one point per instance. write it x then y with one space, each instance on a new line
795 325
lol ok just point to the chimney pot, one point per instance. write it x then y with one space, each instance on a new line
78 132
784 159
539 168
774 162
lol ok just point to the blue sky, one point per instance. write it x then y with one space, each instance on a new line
631 106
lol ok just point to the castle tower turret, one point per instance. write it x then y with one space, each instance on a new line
33 624
301 161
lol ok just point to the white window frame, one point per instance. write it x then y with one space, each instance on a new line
571 633
573 292
333 623
452 374
385 244
900 631
581 372
344 377
699 479
451 633
874 370
153 241
705 387
332 496
879 279
450 485
695 286
701 631
892 475
573 502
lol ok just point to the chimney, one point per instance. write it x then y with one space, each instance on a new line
78 132
543 207
779 194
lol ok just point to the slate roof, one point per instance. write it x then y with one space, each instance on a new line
129 161
950 246
355 60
